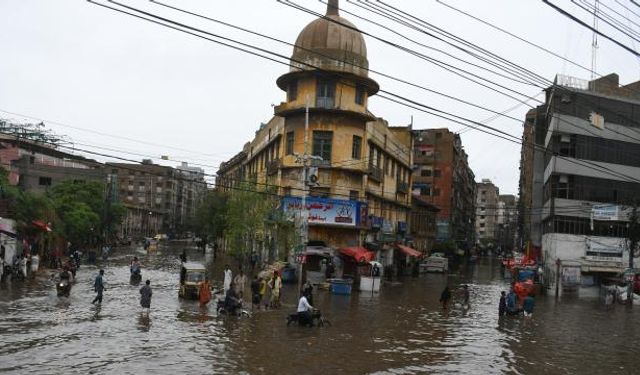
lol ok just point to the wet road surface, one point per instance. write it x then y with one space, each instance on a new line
401 331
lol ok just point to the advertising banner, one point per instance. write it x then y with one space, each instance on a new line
326 211
606 212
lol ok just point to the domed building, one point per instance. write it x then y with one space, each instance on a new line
359 168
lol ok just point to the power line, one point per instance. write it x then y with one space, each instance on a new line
599 167
583 24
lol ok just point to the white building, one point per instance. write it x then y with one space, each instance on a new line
591 174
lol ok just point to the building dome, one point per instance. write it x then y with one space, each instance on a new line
331 43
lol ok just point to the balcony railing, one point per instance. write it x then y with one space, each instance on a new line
375 173
273 166
402 187
320 163
325 102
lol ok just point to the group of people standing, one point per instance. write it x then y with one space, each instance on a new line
510 305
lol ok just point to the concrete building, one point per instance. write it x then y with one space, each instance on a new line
486 212
362 166
422 224
442 176
191 189
148 191
35 166
506 222
589 134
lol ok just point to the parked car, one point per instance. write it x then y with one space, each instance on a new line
437 262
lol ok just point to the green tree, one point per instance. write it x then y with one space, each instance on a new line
210 217
84 211
248 212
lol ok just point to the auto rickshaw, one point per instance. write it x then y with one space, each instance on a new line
191 275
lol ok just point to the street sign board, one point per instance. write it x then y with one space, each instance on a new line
606 212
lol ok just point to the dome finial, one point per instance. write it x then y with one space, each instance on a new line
333 8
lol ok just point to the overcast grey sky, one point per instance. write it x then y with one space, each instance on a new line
97 71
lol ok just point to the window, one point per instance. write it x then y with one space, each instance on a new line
356 147
360 92
290 140
436 192
141 183
353 195
320 192
292 91
437 173
438 135
425 173
44 181
322 144
326 92
481 225
425 191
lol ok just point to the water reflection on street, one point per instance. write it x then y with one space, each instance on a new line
401 331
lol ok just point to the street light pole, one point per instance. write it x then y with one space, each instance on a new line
304 213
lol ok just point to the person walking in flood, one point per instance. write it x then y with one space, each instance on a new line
99 287
445 297
145 296
255 293
228 278
239 283
502 305
276 285
204 292
527 305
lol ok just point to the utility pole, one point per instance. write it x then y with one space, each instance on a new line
304 212
633 237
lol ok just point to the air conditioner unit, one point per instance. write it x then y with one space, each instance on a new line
563 179
312 176
565 138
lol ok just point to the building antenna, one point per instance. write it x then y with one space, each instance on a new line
594 41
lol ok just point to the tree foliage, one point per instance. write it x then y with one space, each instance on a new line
210 217
248 213
84 211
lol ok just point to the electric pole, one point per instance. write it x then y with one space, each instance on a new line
633 237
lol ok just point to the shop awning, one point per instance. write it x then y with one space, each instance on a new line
409 251
359 254
41 225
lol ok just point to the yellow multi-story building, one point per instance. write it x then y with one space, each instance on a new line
362 191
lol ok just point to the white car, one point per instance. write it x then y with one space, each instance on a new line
437 262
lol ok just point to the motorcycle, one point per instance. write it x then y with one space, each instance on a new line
63 287
239 311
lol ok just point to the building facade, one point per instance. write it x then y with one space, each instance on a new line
35 166
361 166
422 224
442 177
148 191
487 210
588 131
507 222
191 188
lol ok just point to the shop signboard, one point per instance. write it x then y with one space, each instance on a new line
325 211
605 212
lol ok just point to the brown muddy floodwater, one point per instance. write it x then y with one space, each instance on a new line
401 331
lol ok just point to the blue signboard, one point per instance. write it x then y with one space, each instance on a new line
327 211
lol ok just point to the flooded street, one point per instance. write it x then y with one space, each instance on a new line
401 331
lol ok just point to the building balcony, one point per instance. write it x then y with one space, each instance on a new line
402 187
273 166
321 163
375 173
